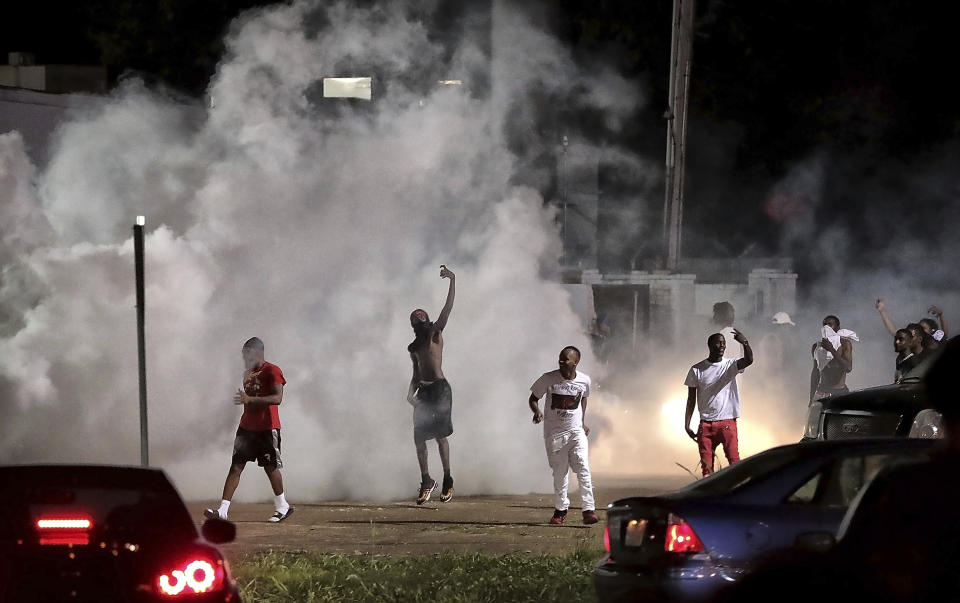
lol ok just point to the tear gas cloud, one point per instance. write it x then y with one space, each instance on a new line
317 231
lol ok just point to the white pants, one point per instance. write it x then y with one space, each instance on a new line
564 452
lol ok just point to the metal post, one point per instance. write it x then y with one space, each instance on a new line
141 339
563 197
681 50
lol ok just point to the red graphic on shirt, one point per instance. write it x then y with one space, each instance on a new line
260 382
564 401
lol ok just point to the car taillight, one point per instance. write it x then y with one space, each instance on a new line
606 537
64 529
680 537
195 575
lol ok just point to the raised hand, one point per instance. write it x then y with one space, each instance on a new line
935 311
446 272
880 305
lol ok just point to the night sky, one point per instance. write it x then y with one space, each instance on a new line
863 88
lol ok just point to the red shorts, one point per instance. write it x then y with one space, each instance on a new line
713 433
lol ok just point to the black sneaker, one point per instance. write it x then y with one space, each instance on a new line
446 494
212 514
426 489
279 516
590 517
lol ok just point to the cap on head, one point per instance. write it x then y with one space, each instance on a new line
254 343
419 315
782 318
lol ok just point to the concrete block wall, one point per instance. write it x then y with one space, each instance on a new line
772 291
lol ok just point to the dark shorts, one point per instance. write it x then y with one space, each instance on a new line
260 446
431 416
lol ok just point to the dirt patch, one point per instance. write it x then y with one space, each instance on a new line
490 524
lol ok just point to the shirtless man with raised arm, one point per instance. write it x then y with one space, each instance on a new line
430 394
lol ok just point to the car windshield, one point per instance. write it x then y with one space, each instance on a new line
746 471
122 504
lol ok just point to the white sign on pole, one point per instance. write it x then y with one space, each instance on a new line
347 87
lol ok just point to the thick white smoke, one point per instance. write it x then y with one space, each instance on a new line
317 230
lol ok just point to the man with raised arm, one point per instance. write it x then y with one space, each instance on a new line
430 394
832 359
712 387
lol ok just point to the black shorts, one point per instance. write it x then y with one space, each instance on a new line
431 415
260 446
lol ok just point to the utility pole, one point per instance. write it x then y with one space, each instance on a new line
562 181
141 339
681 57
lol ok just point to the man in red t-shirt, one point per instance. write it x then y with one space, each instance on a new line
258 437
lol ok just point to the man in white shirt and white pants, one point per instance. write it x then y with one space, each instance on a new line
564 433
713 389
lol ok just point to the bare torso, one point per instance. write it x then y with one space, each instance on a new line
427 356
834 375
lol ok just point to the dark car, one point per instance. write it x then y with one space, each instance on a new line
690 544
898 410
102 534
890 411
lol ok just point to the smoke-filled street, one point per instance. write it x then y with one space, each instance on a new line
418 277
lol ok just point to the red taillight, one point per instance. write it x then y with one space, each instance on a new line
681 538
64 529
606 537
196 575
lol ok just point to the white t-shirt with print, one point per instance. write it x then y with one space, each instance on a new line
718 398
562 393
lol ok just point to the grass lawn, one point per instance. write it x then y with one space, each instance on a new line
450 577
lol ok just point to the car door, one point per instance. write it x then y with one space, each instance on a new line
828 493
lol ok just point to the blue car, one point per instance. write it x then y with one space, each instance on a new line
690 544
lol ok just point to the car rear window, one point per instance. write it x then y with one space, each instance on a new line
740 474
123 505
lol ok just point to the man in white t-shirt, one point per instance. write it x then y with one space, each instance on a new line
713 389
564 433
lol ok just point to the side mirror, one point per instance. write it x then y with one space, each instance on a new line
815 542
219 531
